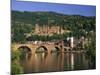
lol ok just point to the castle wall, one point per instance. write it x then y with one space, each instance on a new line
46 30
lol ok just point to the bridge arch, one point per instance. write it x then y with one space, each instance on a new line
25 49
55 49
41 49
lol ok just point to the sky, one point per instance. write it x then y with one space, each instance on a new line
69 9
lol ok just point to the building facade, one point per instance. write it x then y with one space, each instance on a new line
48 30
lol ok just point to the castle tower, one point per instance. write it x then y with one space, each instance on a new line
37 29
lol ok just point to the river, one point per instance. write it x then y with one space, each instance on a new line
43 62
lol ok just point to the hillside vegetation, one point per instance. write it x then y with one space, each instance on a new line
24 22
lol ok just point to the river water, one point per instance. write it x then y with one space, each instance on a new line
43 62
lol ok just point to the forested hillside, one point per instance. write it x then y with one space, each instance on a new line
24 22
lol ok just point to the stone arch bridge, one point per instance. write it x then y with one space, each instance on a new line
34 47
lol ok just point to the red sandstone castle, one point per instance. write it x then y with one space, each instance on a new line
48 30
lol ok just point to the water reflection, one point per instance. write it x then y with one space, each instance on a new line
25 56
45 62
39 61
40 56
72 61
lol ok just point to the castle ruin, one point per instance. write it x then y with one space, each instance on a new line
48 30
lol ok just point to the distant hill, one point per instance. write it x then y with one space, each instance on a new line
45 18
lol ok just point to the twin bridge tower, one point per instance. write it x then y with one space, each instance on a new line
48 47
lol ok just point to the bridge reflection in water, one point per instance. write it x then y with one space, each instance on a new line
55 61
